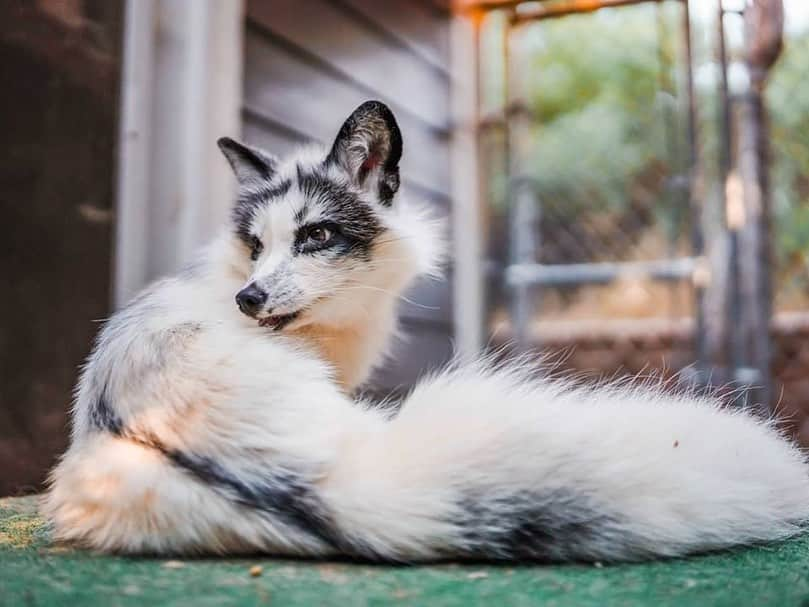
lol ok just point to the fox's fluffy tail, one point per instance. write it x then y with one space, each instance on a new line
477 464
493 465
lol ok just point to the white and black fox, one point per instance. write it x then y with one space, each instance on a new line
208 425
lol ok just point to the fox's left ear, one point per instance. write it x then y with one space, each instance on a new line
368 147
250 165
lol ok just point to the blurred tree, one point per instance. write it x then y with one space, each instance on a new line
603 141
593 87
788 100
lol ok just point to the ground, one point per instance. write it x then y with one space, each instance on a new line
34 572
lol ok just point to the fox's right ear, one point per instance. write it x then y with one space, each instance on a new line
250 165
369 147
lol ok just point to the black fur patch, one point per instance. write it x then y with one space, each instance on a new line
555 526
355 224
166 347
103 417
281 494
250 200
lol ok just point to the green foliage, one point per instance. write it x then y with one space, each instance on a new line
583 61
788 103
594 85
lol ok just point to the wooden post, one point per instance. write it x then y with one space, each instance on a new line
467 216
763 32
523 220
130 271
695 192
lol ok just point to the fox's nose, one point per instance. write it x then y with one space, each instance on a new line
250 299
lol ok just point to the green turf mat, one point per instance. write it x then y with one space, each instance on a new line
35 573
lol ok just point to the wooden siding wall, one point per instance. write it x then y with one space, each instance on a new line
309 63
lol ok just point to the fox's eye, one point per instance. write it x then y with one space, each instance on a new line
319 235
314 238
256 247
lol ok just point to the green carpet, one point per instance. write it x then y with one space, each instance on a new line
35 573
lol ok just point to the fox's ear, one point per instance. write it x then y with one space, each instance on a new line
250 165
368 147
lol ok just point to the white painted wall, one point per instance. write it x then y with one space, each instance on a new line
182 86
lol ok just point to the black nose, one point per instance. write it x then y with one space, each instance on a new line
250 299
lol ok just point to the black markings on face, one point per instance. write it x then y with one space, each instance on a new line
250 201
352 222
256 247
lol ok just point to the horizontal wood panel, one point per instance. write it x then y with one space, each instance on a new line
416 26
258 133
360 55
443 7
289 91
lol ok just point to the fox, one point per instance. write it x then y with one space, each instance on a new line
217 412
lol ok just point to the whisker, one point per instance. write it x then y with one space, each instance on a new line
398 296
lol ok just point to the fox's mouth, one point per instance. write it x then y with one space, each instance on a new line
279 321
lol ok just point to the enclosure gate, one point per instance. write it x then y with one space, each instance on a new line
525 276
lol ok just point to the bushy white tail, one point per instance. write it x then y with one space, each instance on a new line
491 464
477 464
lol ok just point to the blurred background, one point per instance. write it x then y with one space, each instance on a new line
626 181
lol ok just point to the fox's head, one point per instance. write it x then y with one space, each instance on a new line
321 234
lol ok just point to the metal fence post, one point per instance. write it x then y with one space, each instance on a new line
522 211
694 191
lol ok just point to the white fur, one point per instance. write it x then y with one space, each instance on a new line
681 474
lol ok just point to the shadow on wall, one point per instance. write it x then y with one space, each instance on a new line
56 200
